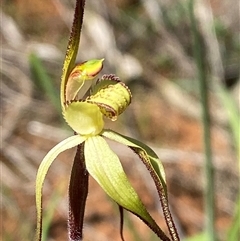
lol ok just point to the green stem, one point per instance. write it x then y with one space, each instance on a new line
209 170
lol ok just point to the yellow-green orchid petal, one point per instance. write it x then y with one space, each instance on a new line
105 167
155 167
84 118
111 95
76 84
150 155
72 48
43 169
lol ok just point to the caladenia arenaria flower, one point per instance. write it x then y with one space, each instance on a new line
85 114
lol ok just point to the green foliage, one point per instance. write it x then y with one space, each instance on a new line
206 121
234 123
233 117
43 80
234 231
198 237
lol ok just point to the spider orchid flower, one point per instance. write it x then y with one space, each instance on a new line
85 114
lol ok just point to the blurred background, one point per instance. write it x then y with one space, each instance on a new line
149 44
